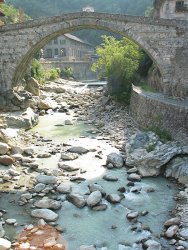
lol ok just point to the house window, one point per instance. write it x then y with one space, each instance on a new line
62 41
55 41
49 53
181 6
63 52
55 52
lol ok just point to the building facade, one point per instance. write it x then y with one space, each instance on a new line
68 48
171 9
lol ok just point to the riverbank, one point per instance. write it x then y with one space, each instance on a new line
46 166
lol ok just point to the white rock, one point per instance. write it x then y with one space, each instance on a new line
94 198
4 244
45 179
4 148
10 221
48 203
115 159
64 188
113 198
45 214
39 187
171 231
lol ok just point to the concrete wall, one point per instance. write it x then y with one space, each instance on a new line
157 111
82 70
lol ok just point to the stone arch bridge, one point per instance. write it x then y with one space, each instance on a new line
165 41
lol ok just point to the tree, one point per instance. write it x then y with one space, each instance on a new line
119 61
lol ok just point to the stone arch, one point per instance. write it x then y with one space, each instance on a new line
44 35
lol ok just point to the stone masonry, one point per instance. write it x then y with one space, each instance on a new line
166 41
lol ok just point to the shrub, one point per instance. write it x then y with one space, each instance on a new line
163 134
67 72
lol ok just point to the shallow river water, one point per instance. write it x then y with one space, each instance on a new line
84 226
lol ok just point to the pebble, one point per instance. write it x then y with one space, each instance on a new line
132 215
109 177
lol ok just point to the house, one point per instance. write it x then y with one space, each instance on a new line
68 48
88 9
171 9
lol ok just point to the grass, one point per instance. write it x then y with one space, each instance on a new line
163 134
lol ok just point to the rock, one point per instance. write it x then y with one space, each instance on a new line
68 122
152 245
100 207
29 151
46 104
81 189
26 196
4 148
32 86
44 155
132 170
4 244
184 233
132 215
45 179
2 231
172 221
69 156
122 189
6 160
45 214
171 231
48 203
78 150
39 187
26 120
109 177
115 159
64 188
178 168
67 167
113 198
10 221
76 199
87 247
134 177
145 152
97 187
94 198
53 87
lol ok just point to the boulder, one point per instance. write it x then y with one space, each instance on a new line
45 179
4 148
132 215
96 187
33 86
109 177
152 245
25 120
39 187
145 151
6 160
45 214
47 103
64 188
171 231
76 199
69 156
113 198
48 203
184 233
178 169
94 198
5 244
172 221
78 150
115 159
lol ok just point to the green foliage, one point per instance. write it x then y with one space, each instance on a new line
67 73
146 87
119 61
150 147
13 15
163 134
54 74
38 72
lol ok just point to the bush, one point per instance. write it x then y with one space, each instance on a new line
163 134
54 74
66 73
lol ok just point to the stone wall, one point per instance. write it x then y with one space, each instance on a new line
166 41
154 110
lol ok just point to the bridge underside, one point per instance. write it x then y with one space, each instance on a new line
165 41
